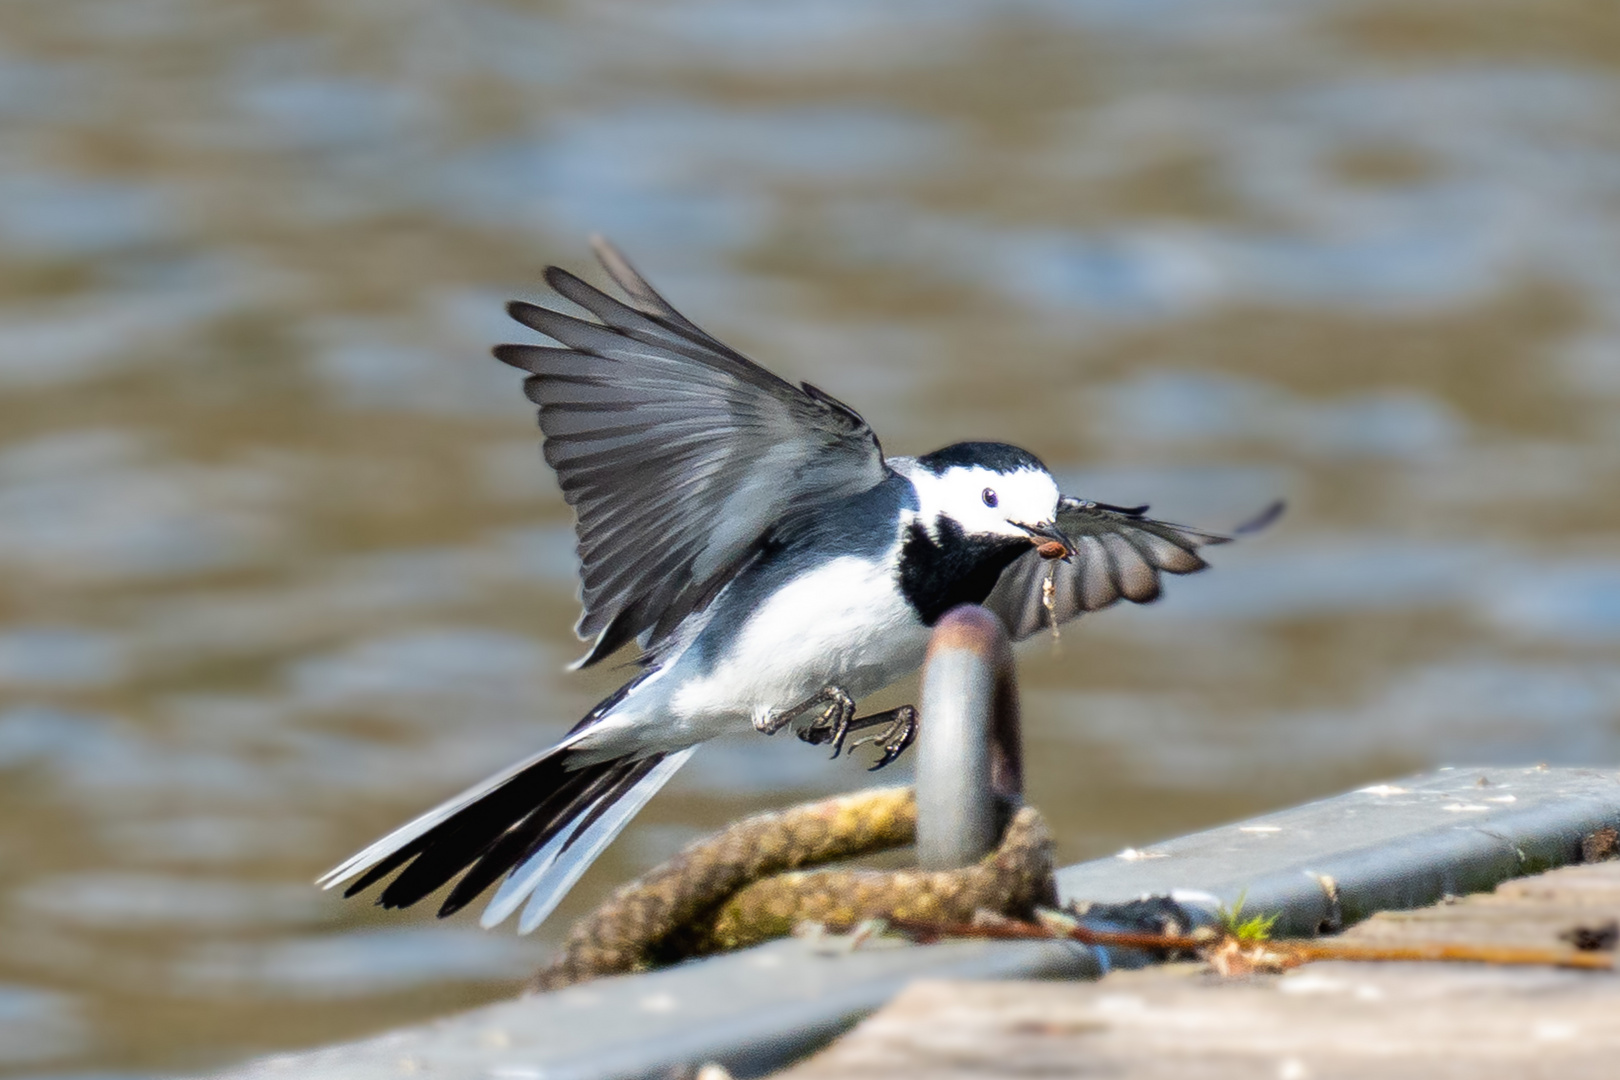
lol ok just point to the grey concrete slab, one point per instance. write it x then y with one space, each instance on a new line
752 1011
1403 844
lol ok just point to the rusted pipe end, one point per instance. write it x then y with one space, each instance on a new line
969 754
970 627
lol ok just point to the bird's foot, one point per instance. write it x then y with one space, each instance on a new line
900 733
837 722
899 730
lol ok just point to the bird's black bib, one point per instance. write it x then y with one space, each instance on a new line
937 575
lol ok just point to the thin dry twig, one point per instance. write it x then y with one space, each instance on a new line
1231 956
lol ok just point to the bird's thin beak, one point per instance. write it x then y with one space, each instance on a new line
1050 541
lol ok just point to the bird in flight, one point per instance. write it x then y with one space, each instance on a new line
771 562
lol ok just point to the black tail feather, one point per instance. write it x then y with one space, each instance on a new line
381 870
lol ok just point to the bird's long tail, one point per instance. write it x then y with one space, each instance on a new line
540 822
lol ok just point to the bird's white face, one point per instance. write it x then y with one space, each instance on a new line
987 503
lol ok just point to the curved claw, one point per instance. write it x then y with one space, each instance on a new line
895 739
840 732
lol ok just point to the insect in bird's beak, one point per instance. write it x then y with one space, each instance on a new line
1049 541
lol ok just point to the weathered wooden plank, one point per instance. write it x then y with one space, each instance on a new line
1539 911
1322 1021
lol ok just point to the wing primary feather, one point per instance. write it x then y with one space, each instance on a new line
1262 520
636 287
615 313
677 453
528 357
1128 511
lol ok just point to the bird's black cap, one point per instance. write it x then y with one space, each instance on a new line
996 456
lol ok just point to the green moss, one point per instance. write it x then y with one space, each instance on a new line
1254 929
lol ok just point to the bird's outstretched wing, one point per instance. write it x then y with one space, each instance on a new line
677 452
1119 554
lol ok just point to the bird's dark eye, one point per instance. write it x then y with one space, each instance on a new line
990 497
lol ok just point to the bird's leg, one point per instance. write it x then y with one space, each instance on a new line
840 707
900 733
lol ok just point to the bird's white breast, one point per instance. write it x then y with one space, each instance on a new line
844 623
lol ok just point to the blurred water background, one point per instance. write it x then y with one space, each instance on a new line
280 565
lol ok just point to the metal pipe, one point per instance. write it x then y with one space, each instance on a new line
969 753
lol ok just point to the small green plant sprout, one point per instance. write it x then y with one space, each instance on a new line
1250 931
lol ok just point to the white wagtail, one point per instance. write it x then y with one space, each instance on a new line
771 563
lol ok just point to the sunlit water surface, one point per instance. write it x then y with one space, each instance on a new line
280 566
